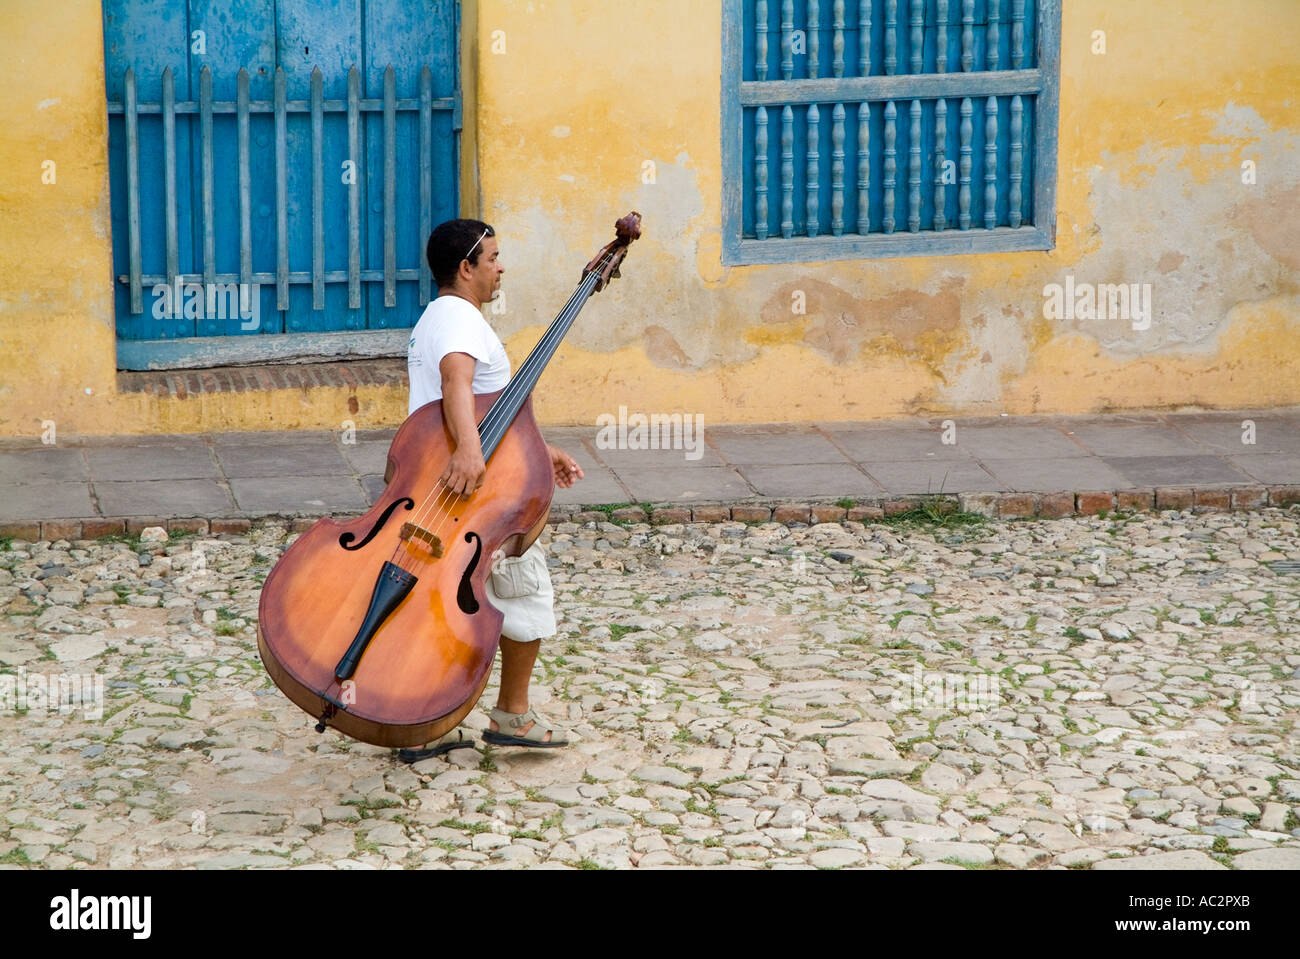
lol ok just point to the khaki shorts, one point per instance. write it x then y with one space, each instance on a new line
520 586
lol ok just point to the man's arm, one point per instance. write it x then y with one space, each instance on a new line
466 469
567 470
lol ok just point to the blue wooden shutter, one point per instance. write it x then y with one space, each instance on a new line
228 180
840 118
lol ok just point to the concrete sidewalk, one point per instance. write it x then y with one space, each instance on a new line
1004 466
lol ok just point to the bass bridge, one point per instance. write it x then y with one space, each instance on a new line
430 541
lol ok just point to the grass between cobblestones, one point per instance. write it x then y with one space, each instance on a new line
745 653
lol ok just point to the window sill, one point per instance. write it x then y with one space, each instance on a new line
202 352
803 249
184 384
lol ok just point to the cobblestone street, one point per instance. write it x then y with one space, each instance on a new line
1088 692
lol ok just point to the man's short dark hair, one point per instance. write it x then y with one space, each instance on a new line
452 242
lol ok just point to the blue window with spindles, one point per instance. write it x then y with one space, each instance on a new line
873 128
275 169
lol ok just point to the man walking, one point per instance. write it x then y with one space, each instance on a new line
454 354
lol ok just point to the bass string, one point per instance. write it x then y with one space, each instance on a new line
439 509
445 497
497 413
498 420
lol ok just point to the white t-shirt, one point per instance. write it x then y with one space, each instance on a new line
452 325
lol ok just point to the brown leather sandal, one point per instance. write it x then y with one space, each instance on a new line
534 738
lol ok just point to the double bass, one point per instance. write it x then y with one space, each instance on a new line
380 627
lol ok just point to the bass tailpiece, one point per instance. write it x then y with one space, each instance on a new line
392 586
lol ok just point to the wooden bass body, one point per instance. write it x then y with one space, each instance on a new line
426 662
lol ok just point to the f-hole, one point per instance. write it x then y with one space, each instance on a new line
465 593
346 539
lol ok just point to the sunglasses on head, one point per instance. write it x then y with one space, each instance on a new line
476 243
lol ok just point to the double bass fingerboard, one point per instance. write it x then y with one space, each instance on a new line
511 400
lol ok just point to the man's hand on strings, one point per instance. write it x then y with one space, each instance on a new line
567 470
465 471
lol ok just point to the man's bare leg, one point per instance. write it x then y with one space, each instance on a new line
517 661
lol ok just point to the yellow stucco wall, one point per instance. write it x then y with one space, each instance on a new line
1152 137
56 304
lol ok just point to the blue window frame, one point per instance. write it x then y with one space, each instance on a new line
854 129
295 154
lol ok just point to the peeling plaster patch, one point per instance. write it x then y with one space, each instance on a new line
675 199
999 340
539 278
840 325
1259 340
567 177
560 131
46 104
1237 123
542 268
663 350
708 258
1278 236
1170 261
661 269
1191 299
